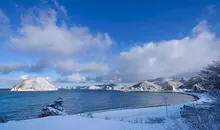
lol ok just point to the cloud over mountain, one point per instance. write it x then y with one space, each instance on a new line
45 39
72 78
64 67
171 57
60 46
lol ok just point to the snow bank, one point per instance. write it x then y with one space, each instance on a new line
73 122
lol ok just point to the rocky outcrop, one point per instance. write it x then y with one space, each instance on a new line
34 84
53 109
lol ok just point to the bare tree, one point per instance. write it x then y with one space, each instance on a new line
205 116
210 76
197 118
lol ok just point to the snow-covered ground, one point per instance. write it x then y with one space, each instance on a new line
153 118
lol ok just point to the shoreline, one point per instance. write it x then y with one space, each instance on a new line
126 108
196 97
164 91
109 120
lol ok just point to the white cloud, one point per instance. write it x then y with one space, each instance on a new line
71 67
172 57
41 33
7 68
37 67
72 78
61 66
23 77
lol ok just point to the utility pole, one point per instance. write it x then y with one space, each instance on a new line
121 106
166 107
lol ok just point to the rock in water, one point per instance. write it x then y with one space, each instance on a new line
53 109
34 84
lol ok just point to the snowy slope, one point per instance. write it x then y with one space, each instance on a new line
147 86
165 83
34 84
69 123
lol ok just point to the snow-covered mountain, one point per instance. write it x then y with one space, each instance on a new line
34 84
159 84
93 87
147 86
192 84
168 83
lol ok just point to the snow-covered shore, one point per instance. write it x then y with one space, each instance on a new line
157 118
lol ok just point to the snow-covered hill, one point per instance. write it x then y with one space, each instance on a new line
147 86
192 84
34 84
168 83
158 84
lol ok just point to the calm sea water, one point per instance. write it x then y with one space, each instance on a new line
25 105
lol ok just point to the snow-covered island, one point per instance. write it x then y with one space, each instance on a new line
34 84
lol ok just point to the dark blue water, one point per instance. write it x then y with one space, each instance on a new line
25 105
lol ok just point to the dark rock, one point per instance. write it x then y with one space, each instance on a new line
3 120
53 109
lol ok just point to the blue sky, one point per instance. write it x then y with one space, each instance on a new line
106 41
